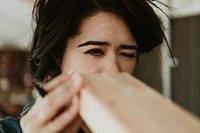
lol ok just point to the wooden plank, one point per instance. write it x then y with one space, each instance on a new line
120 103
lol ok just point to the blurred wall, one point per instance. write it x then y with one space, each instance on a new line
183 8
15 23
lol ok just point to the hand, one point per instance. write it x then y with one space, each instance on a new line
48 115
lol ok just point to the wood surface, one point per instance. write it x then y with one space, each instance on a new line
120 103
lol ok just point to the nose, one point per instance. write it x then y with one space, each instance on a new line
111 66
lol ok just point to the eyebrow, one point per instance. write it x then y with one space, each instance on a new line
100 43
94 43
126 46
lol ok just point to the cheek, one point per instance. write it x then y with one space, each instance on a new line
79 64
128 66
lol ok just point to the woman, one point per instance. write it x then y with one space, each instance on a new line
74 37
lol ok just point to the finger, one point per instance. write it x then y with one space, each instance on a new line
52 103
85 128
47 107
56 100
64 119
74 126
25 122
28 115
58 80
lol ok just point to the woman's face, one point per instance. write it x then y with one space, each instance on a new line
104 44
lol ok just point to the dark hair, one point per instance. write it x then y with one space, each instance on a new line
58 20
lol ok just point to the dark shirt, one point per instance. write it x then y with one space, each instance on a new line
12 125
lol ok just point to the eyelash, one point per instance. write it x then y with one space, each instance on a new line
129 55
94 52
99 52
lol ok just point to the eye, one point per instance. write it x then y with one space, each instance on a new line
129 55
95 52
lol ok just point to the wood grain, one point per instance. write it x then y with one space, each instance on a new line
120 103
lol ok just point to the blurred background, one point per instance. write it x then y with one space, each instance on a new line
15 37
181 83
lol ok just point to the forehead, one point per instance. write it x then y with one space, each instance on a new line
102 20
104 26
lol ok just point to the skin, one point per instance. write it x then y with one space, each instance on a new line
108 55
104 44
